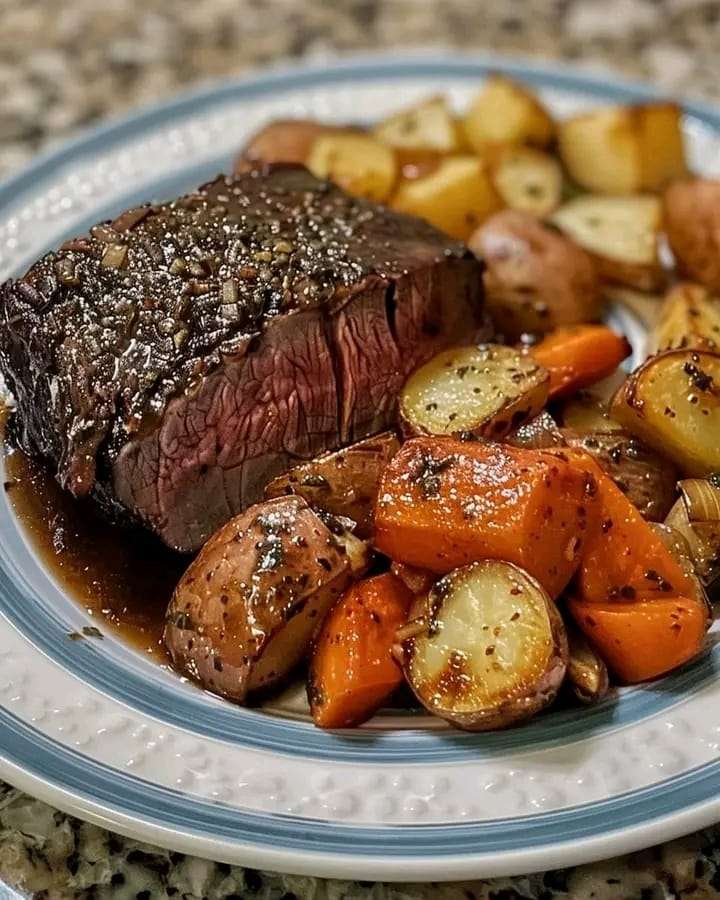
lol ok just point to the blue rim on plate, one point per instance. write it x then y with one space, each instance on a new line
133 805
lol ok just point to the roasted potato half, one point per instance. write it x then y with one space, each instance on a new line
691 213
646 478
489 649
672 403
429 126
244 613
689 317
505 112
456 196
527 179
586 672
624 149
358 163
343 482
621 233
488 391
536 279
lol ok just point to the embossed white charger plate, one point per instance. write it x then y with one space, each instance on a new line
100 731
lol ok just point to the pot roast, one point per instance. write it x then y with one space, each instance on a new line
172 362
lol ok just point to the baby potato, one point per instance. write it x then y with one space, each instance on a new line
624 149
487 391
622 235
455 197
489 648
245 611
672 403
528 180
536 279
691 212
427 126
357 163
505 112
689 318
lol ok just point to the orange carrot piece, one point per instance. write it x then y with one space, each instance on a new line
352 672
579 356
445 503
645 638
623 557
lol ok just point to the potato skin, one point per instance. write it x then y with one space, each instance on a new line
646 478
536 279
266 568
285 140
691 211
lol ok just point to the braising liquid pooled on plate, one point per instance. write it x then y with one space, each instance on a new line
124 577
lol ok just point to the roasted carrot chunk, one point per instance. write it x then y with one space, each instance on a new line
646 638
445 503
623 558
352 672
580 355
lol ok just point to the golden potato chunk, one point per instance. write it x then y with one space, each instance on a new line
672 402
357 163
427 126
624 149
622 234
528 180
505 112
455 197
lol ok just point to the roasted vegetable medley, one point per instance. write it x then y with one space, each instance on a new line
541 521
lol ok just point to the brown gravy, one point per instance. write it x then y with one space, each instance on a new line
124 578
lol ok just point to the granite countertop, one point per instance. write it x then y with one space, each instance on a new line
65 65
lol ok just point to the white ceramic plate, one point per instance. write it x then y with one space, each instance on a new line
102 732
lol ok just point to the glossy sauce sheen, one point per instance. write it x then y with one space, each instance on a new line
123 577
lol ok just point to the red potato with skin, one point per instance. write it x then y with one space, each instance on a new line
246 610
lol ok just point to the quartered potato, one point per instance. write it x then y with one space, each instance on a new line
646 478
528 179
689 318
488 390
672 403
244 613
624 149
455 197
691 212
505 112
489 649
536 279
343 482
427 126
586 672
622 235
357 163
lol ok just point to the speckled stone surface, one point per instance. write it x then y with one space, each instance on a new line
64 65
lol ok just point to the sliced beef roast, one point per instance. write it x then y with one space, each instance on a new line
175 360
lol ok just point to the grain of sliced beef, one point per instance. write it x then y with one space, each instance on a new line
175 360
